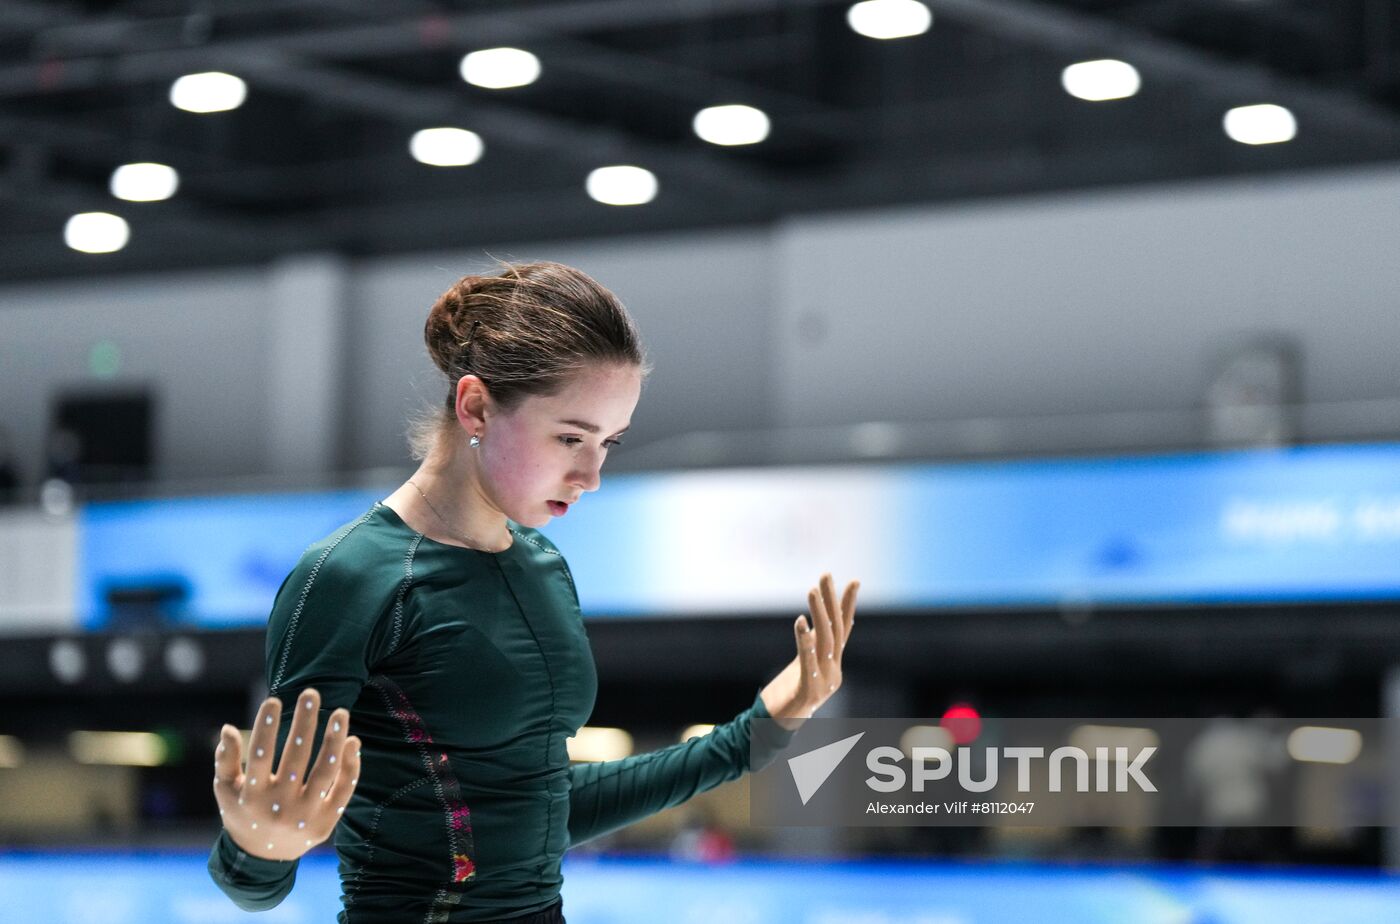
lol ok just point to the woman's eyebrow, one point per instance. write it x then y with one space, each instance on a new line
591 428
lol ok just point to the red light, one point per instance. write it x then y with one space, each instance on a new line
963 722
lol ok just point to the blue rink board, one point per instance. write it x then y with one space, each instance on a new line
174 888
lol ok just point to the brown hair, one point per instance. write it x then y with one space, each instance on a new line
524 331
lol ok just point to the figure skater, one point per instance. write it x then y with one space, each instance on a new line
450 628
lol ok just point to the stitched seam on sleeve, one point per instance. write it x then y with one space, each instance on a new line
567 573
403 590
536 544
301 604
635 765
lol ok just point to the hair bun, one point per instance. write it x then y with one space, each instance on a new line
450 321
468 284
523 331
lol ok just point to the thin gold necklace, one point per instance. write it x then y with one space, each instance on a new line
471 543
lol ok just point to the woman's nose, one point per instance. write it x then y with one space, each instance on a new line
588 477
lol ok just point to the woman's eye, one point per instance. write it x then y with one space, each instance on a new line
571 440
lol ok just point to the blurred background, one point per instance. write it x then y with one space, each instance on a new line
1066 326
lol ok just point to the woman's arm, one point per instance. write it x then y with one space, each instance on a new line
609 795
327 625
272 818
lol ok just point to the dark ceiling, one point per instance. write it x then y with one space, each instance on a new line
317 157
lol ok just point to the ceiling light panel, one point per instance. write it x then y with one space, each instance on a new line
144 182
731 124
446 147
1100 80
96 232
1260 124
500 68
622 185
211 91
889 19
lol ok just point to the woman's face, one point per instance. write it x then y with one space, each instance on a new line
537 460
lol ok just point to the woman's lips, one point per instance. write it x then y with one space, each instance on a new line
558 508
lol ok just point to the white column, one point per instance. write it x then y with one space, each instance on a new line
306 330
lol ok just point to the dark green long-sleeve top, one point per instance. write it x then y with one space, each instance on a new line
464 673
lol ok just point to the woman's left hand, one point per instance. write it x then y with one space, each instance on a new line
815 673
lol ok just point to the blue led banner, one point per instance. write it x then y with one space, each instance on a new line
207 561
1308 524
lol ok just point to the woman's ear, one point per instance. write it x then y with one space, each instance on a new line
473 403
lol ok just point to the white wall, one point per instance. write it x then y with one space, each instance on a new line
1116 300
38 571
197 338
1071 302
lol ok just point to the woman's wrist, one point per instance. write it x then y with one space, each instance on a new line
781 698
252 853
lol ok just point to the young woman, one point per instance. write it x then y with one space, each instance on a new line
451 628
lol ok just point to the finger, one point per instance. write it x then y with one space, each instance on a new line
228 756
805 653
346 777
262 743
848 609
323 772
228 760
838 634
296 752
820 622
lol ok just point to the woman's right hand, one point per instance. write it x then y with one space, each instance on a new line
282 815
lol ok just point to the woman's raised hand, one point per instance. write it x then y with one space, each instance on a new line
282 815
815 674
